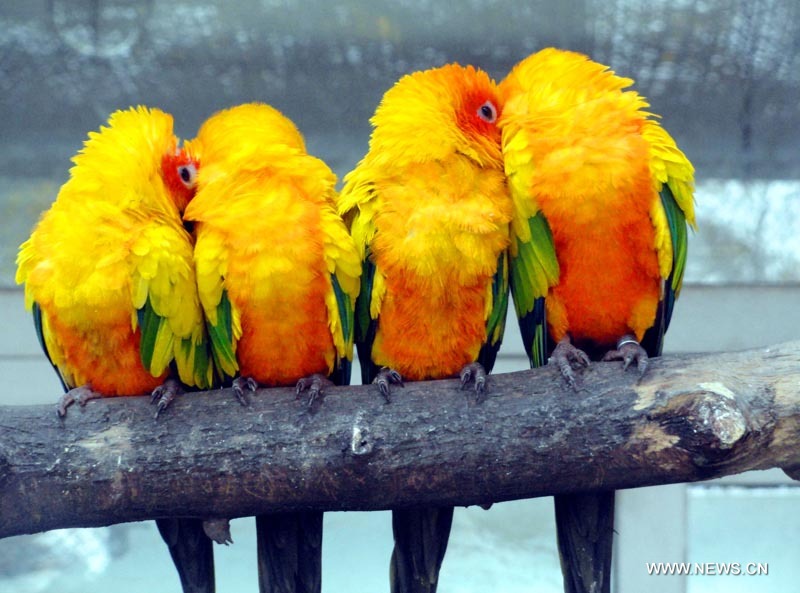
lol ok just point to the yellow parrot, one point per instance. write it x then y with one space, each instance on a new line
602 199
278 275
109 275
429 210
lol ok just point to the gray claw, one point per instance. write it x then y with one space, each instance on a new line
386 377
566 356
315 385
474 371
629 350
79 395
164 395
242 384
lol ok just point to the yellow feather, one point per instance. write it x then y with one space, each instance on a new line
113 238
266 223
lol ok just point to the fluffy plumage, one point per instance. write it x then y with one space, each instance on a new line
602 198
430 211
277 271
278 275
109 275
108 268
616 192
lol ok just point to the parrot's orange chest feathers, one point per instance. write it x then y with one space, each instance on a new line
280 290
434 336
599 213
587 161
605 249
438 240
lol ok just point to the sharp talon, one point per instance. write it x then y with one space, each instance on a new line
79 395
642 365
383 387
629 350
164 395
466 375
474 372
384 379
567 357
156 394
66 401
299 388
315 384
242 384
480 384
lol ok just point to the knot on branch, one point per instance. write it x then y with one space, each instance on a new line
709 422
361 442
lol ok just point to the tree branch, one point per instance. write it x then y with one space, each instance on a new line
691 418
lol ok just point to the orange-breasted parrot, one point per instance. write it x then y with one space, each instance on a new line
278 275
109 275
602 201
429 210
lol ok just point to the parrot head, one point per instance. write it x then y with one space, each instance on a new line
436 113
179 171
245 137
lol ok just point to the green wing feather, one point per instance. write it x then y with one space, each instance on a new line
191 353
223 347
342 371
678 230
534 269
675 176
365 326
653 340
150 326
496 322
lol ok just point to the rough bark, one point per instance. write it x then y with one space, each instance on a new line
691 418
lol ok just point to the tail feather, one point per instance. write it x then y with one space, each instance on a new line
585 523
289 552
192 552
420 542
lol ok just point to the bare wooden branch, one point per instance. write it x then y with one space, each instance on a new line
691 418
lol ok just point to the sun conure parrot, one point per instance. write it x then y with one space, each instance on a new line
108 273
429 210
602 199
278 275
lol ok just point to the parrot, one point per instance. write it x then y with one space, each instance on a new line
278 276
109 278
430 213
603 200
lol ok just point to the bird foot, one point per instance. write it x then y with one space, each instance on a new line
242 385
164 394
315 384
384 379
218 530
474 371
629 350
567 357
79 395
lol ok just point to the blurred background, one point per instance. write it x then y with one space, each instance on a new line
725 76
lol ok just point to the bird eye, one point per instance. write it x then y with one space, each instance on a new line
188 175
488 112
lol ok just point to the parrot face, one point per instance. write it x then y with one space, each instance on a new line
460 105
179 171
